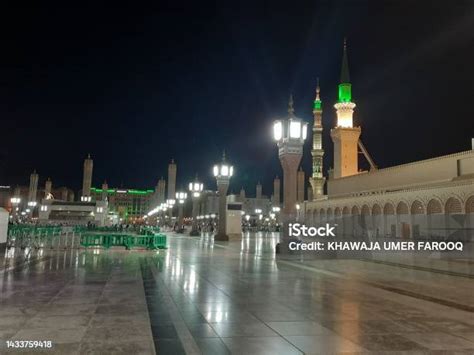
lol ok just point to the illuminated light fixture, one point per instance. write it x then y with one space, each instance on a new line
213 215
247 217
278 130
32 203
292 130
276 209
298 206
15 200
258 211
196 188
181 197
223 170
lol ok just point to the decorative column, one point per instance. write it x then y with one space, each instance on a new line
290 135
222 173
300 186
195 188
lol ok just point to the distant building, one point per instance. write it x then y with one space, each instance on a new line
128 204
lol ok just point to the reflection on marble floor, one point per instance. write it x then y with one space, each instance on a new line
219 298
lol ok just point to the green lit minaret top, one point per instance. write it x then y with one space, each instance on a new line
317 101
345 94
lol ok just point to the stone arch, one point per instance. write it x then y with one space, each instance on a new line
402 208
453 205
470 205
417 207
322 212
329 212
365 210
434 207
345 210
388 208
338 212
376 210
355 210
315 215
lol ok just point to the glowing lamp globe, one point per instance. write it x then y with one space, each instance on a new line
181 197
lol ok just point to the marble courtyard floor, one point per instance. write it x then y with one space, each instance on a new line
219 298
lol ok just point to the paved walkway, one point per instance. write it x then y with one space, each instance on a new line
205 297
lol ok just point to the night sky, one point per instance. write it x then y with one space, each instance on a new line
135 87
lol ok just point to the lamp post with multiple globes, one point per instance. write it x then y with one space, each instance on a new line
222 172
181 198
15 201
170 204
195 188
290 135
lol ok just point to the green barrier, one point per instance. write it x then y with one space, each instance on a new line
151 242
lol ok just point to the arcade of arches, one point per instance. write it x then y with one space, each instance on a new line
452 216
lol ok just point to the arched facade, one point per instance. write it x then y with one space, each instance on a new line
402 215
453 206
418 218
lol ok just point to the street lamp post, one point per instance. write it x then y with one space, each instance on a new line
15 201
181 197
195 188
170 204
290 135
222 173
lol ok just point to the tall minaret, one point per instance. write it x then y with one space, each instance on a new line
242 194
172 180
47 187
258 190
344 136
87 177
105 187
161 188
33 187
300 186
276 191
317 179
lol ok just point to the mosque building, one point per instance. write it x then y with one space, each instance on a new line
432 198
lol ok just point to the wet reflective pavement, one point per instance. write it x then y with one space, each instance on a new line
218 298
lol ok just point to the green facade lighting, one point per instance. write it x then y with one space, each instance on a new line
139 192
345 92
109 191
130 191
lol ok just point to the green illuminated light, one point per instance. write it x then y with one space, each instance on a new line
345 94
109 191
317 105
131 191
